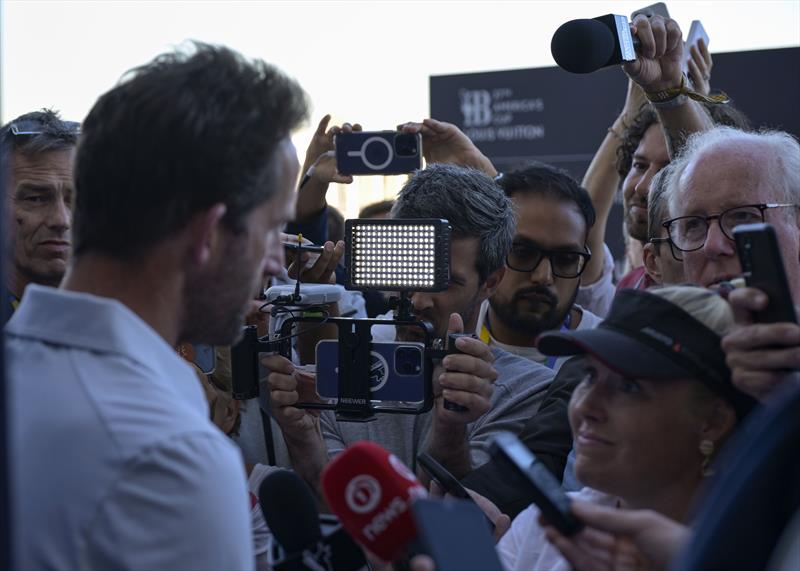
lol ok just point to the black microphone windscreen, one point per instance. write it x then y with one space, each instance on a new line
289 510
582 46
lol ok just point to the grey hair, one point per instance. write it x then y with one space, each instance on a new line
784 151
657 203
473 203
704 305
54 134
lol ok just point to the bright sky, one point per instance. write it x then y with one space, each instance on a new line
361 61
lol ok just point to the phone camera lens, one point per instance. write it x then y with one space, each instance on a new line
407 361
405 145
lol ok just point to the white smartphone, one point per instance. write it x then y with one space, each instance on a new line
657 9
696 31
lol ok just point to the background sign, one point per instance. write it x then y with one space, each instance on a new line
550 115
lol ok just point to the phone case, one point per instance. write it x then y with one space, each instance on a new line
378 152
397 371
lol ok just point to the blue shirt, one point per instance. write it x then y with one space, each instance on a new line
116 464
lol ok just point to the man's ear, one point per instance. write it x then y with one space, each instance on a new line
204 234
491 283
652 262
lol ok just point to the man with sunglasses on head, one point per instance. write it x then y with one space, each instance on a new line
723 178
39 148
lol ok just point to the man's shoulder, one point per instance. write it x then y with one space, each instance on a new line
511 366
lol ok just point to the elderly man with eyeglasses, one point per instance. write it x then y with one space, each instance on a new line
41 148
724 178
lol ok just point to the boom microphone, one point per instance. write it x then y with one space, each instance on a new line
584 46
371 491
299 544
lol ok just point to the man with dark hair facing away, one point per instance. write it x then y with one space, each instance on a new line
184 178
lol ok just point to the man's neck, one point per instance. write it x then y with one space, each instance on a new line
152 291
18 281
517 337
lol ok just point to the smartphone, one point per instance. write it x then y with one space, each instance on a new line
696 32
447 481
205 357
549 496
378 152
454 534
397 372
657 9
762 267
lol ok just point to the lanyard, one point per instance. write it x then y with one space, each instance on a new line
550 363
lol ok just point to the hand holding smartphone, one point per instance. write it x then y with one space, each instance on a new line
762 267
549 496
378 152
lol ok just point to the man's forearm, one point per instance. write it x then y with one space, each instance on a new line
681 121
309 457
448 444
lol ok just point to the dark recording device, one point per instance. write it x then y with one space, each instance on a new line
378 152
546 490
446 480
762 267
453 350
586 45
293 247
454 534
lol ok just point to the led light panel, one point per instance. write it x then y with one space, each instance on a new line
397 255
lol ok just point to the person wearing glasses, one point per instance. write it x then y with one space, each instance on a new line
544 266
724 178
41 148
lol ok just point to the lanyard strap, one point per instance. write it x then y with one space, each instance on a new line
550 363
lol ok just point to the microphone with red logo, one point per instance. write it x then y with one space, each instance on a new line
371 491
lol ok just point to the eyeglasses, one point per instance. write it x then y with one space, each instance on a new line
673 250
563 264
31 127
689 233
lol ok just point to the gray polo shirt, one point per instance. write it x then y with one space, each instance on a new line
115 463
518 392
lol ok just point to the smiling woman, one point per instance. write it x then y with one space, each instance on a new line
655 404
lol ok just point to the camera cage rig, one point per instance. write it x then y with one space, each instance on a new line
353 402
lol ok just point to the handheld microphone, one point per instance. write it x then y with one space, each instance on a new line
584 46
298 543
371 492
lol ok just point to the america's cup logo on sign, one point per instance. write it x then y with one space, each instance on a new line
362 494
476 105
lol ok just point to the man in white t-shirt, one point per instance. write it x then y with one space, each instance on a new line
543 268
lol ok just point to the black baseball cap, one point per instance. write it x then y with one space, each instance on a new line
647 337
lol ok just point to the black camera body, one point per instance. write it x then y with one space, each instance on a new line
378 152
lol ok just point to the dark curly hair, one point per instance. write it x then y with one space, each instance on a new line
633 132
190 129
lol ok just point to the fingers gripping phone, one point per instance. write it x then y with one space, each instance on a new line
549 496
378 152
762 266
